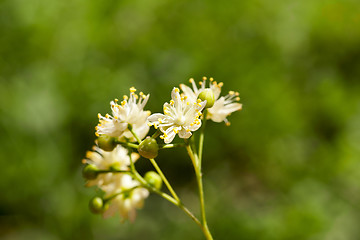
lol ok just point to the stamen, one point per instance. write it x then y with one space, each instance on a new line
132 89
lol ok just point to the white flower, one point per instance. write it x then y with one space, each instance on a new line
181 117
117 159
130 111
128 197
223 106
125 193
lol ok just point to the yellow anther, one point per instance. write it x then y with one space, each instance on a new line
107 115
125 97
175 130
231 92
221 84
96 134
116 100
149 124
237 99
99 115
172 102
191 80
159 120
123 102
199 100
211 79
88 154
187 103
188 130
204 78
162 136
237 94
200 83
136 96
115 117
83 161
185 97
177 90
227 123
141 93
132 89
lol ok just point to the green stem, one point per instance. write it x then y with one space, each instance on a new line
134 134
165 146
201 140
177 203
194 158
153 162
127 144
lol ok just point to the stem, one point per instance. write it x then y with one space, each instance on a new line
134 134
127 144
201 140
176 202
164 179
164 146
197 167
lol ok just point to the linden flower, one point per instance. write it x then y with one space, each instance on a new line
223 106
181 117
128 197
130 111
117 159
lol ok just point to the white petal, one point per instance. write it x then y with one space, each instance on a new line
184 134
188 92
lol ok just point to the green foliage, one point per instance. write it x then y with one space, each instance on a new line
288 167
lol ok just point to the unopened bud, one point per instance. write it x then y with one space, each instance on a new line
208 95
148 148
153 179
90 172
96 205
106 143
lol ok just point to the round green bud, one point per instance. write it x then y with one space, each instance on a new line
96 205
106 143
90 172
208 95
148 148
153 179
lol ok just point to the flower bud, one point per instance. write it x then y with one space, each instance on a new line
208 95
96 205
106 143
148 148
90 172
153 179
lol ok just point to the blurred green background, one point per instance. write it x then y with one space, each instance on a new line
287 168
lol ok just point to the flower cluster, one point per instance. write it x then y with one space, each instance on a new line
129 111
110 166
223 106
124 194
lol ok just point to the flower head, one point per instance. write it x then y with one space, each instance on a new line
223 106
129 196
129 111
181 116
124 194
117 159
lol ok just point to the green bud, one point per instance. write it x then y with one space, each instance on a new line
96 205
106 143
148 148
153 179
208 95
90 172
